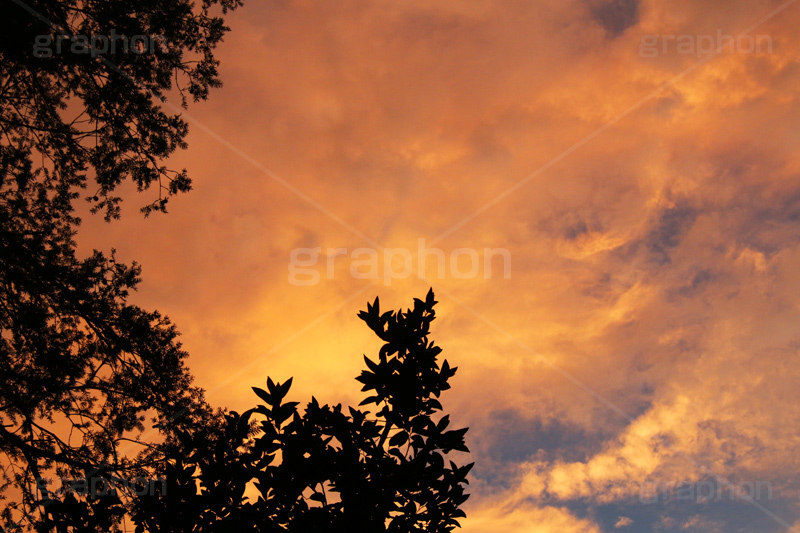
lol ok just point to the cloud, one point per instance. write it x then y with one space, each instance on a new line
615 16
524 519
623 521
650 322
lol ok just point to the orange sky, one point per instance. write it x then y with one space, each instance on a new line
648 198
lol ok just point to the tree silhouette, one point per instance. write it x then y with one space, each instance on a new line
275 468
68 109
82 372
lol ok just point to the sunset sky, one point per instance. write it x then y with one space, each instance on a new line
645 186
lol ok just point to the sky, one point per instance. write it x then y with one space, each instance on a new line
628 355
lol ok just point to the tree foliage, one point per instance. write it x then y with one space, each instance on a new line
275 468
82 371
73 114
80 368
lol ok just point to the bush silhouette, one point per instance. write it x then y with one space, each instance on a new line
275 468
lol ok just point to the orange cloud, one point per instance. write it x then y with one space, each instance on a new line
650 321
